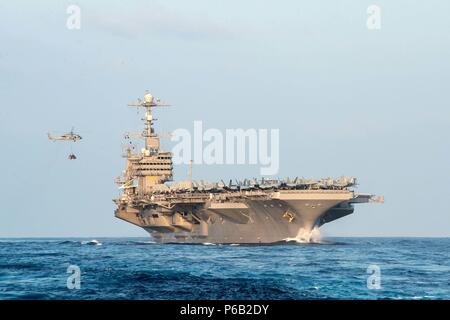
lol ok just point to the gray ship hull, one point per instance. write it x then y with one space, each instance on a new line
251 220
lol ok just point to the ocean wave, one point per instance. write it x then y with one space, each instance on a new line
124 268
143 243
91 243
69 242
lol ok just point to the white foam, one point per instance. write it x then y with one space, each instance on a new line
92 242
145 242
306 236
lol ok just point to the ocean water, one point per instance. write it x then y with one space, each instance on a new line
131 268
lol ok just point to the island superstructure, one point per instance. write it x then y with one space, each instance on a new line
249 211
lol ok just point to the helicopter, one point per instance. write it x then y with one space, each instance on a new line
70 136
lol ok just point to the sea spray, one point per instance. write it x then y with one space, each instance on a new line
306 236
91 243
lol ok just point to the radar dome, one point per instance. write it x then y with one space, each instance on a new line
148 98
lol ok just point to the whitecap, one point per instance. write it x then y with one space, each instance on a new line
306 236
92 242
144 242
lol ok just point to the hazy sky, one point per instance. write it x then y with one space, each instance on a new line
347 100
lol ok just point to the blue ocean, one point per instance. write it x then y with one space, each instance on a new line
132 268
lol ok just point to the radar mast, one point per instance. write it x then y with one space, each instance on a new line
151 139
151 166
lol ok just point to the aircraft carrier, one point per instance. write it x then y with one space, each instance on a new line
253 211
